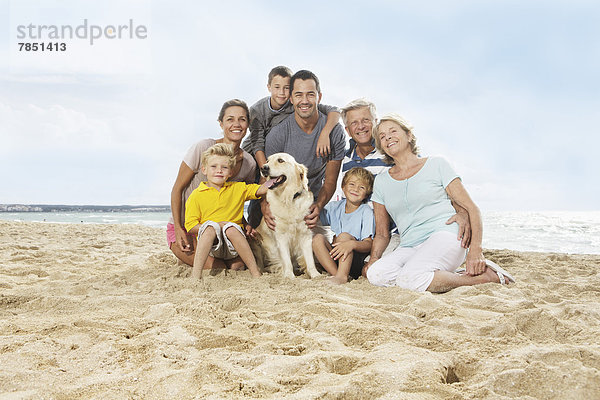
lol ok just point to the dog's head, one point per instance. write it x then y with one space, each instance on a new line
284 170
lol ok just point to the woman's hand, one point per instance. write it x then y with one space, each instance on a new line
181 238
475 262
341 250
184 177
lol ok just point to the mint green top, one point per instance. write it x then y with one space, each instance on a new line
418 205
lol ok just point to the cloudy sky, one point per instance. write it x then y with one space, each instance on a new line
508 91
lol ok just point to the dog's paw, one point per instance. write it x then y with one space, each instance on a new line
314 274
288 274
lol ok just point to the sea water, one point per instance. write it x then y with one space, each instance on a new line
152 219
546 231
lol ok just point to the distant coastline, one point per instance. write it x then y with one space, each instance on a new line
574 232
79 208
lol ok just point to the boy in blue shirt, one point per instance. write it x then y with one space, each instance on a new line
353 223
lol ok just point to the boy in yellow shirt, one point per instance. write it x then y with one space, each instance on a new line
214 211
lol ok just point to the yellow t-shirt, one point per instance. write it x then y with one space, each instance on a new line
209 204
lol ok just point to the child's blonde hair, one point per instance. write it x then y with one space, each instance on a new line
219 149
364 176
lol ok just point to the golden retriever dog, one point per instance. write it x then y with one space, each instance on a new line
289 199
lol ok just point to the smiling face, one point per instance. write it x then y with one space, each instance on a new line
393 139
234 124
217 170
305 98
280 91
355 190
360 125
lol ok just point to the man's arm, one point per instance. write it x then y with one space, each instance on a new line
332 171
260 158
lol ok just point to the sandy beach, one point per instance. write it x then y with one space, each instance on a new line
105 312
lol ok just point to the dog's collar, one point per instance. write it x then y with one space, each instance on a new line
297 195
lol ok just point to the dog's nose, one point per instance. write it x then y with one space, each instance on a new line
265 170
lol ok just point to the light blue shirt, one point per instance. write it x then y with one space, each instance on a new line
418 205
360 223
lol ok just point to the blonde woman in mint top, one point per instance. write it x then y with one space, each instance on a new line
417 193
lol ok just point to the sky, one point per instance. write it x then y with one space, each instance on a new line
507 91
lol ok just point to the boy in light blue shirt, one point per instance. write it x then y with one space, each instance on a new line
353 224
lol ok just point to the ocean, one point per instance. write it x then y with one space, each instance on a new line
547 231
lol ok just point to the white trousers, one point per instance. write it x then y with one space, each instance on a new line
413 267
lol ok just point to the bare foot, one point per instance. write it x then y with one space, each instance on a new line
256 274
493 276
337 280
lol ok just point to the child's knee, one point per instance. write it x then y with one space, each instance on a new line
232 231
344 237
319 238
209 231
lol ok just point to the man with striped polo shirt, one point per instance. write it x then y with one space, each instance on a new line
359 118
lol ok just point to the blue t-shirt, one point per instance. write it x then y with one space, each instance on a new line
418 205
360 223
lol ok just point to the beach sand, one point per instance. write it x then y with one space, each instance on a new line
105 312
